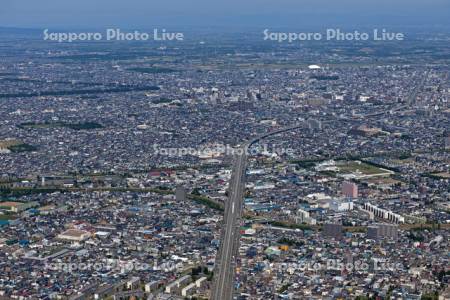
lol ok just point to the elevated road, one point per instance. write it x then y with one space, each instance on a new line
225 263
223 286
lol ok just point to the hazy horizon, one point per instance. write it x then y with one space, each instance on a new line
232 13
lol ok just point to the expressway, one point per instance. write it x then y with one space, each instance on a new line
223 287
224 279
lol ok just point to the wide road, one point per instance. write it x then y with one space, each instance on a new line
225 263
223 286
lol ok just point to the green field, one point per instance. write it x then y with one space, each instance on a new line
73 126
16 146
347 167
8 217
153 70
442 175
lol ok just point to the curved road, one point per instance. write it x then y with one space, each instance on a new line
224 278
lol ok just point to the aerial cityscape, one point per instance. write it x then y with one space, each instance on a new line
233 164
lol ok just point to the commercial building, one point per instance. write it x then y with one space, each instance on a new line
175 286
333 230
341 205
383 214
382 231
304 217
17 207
350 189
180 193
447 139
188 290
74 235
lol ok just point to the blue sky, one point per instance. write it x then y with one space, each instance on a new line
256 13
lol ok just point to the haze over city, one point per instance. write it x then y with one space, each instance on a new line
224 150
232 13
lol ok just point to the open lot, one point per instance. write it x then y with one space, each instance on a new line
361 168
